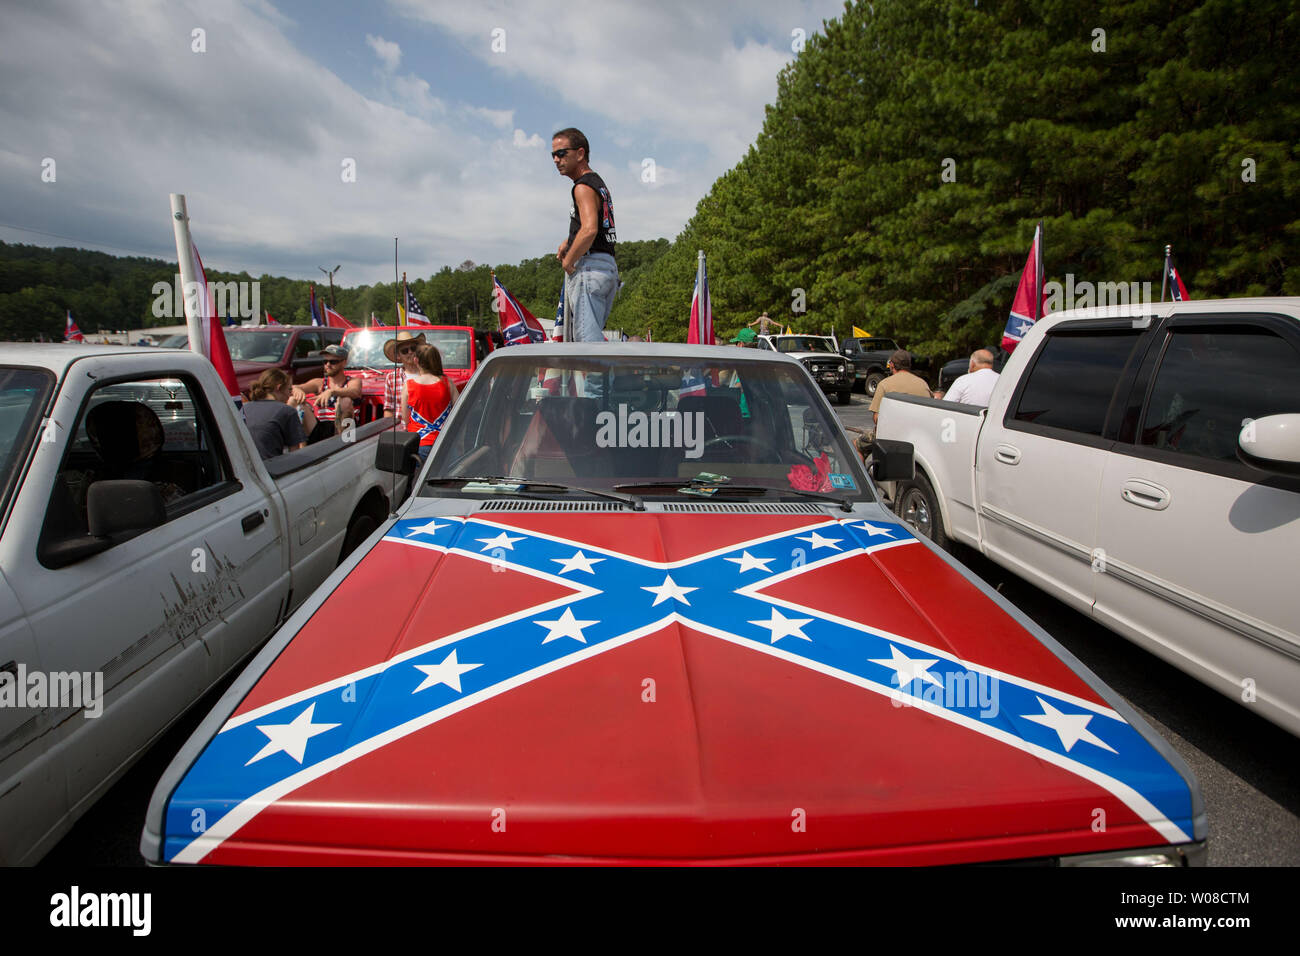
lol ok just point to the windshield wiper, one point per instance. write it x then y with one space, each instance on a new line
722 488
522 483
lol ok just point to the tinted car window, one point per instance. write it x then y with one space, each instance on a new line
151 430
1073 378
1209 381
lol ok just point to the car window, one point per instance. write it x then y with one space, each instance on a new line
307 343
1210 380
333 336
602 422
247 345
1073 378
156 430
23 394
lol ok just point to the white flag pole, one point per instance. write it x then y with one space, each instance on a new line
189 281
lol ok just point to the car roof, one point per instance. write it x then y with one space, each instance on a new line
57 356
640 351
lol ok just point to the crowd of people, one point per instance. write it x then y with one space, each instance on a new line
284 417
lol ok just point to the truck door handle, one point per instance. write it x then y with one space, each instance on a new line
1145 494
252 521
1007 454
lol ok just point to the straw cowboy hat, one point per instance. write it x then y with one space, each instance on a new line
390 347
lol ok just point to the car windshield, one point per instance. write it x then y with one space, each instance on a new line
758 427
366 347
247 345
803 343
23 392
181 340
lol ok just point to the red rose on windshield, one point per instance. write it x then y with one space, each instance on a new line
803 478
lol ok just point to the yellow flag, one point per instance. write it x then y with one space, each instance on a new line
787 331
859 334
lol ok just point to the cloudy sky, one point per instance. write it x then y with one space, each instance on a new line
443 108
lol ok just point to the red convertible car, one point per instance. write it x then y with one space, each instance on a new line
645 608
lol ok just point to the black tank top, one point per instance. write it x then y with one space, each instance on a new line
604 241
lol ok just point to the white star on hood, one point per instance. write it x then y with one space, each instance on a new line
565 626
291 737
429 528
782 626
502 540
579 562
448 672
1071 728
817 541
669 589
909 669
748 562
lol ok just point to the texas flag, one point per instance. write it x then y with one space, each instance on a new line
70 331
1029 304
1177 291
701 330
518 325
334 320
212 337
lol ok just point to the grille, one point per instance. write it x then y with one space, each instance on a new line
790 508
517 505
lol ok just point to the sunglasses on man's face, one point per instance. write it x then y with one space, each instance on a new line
408 350
334 361
561 153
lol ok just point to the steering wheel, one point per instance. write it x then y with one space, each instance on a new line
745 439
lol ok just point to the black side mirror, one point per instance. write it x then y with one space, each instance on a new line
891 460
398 452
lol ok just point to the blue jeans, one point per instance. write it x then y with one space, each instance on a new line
589 297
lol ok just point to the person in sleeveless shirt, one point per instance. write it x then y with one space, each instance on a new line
588 253
428 398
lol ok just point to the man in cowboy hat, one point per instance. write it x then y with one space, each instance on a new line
400 349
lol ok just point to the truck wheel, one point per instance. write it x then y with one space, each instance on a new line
873 379
362 527
846 396
918 506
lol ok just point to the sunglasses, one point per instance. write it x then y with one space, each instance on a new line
334 361
561 153
408 350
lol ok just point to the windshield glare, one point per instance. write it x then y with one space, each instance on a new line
366 348
599 423
803 343
249 346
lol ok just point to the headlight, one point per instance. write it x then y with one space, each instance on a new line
1187 854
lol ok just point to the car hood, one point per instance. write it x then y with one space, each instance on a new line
651 687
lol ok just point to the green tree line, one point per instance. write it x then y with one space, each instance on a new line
913 145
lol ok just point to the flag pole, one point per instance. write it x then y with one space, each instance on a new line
1038 268
185 264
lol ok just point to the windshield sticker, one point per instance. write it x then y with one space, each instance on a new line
487 486
839 480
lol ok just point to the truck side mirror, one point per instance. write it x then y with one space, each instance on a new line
397 452
1271 443
891 460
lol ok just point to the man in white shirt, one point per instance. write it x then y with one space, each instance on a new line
975 387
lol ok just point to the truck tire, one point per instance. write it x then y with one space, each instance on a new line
362 526
846 396
917 504
873 379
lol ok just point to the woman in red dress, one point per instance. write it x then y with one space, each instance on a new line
427 399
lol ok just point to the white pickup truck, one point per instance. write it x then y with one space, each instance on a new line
146 549
1144 470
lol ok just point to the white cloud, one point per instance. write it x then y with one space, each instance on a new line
389 53
501 119
524 141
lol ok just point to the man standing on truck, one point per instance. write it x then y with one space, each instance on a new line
901 380
976 386
587 255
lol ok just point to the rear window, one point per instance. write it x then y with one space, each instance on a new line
1073 379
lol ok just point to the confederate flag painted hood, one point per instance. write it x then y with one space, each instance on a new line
515 686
